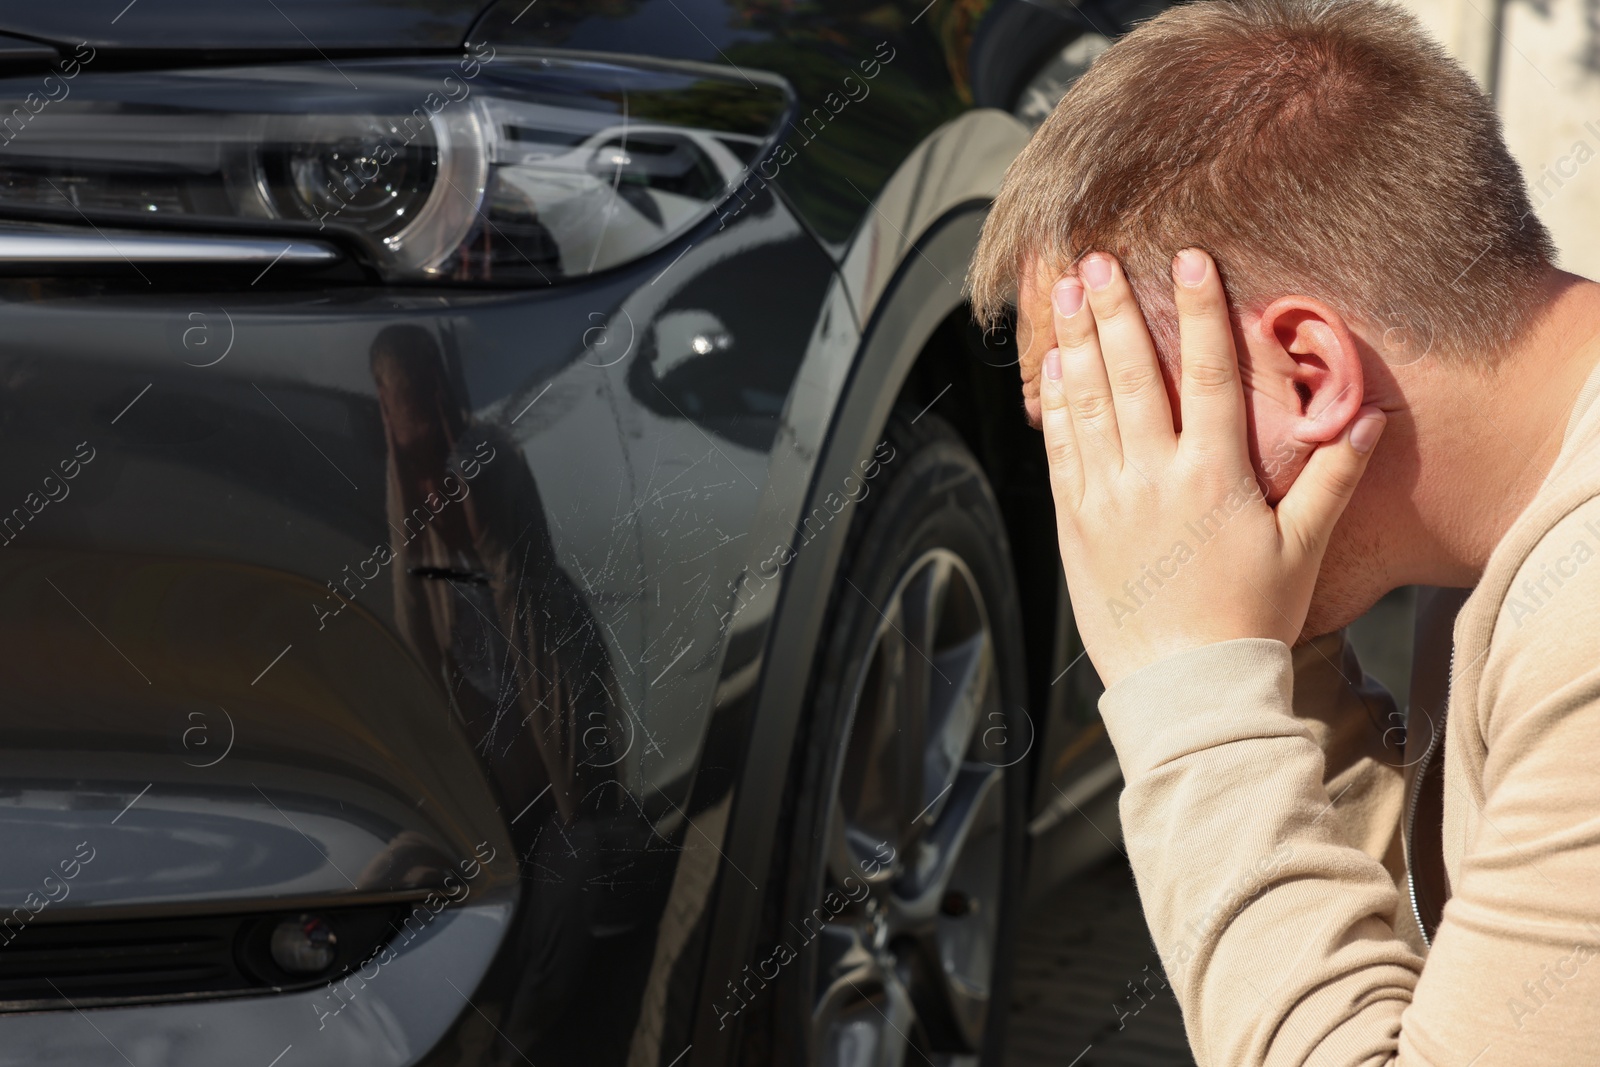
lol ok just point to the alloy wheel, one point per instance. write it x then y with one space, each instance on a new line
915 846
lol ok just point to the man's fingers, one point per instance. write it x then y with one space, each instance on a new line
1083 375
1143 414
1212 399
1318 497
1060 443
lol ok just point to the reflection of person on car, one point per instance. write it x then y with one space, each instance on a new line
480 599
478 595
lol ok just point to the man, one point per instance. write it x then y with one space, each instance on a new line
1362 370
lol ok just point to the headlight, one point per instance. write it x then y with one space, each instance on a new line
517 168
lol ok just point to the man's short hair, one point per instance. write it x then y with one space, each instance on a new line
1322 147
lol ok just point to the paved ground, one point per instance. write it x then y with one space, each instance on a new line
1081 980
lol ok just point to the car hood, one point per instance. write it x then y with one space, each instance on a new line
275 25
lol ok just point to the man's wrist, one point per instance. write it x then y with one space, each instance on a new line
1198 699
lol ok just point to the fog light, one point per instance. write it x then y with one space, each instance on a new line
304 945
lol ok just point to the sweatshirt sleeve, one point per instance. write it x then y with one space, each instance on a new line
1272 909
1275 922
1356 724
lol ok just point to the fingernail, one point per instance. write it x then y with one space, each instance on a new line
1068 297
1191 267
1368 428
1097 271
1052 358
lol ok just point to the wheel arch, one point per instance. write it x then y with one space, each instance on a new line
970 379
917 332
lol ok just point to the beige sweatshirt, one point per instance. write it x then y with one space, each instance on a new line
1266 803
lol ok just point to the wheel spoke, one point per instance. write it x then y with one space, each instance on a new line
840 861
911 965
948 907
964 690
865 1015
872 780
923 599
971 812
917 620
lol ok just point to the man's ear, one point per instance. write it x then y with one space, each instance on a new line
1316 355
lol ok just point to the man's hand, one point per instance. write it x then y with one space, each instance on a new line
1166 538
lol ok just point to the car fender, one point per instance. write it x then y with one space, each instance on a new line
902 274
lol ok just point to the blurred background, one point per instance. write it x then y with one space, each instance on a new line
1539 60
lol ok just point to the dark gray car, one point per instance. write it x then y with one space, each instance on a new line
511 547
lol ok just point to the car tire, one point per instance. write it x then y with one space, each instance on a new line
908 810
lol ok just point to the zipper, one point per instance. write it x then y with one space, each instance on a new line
1411 825
1411 808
